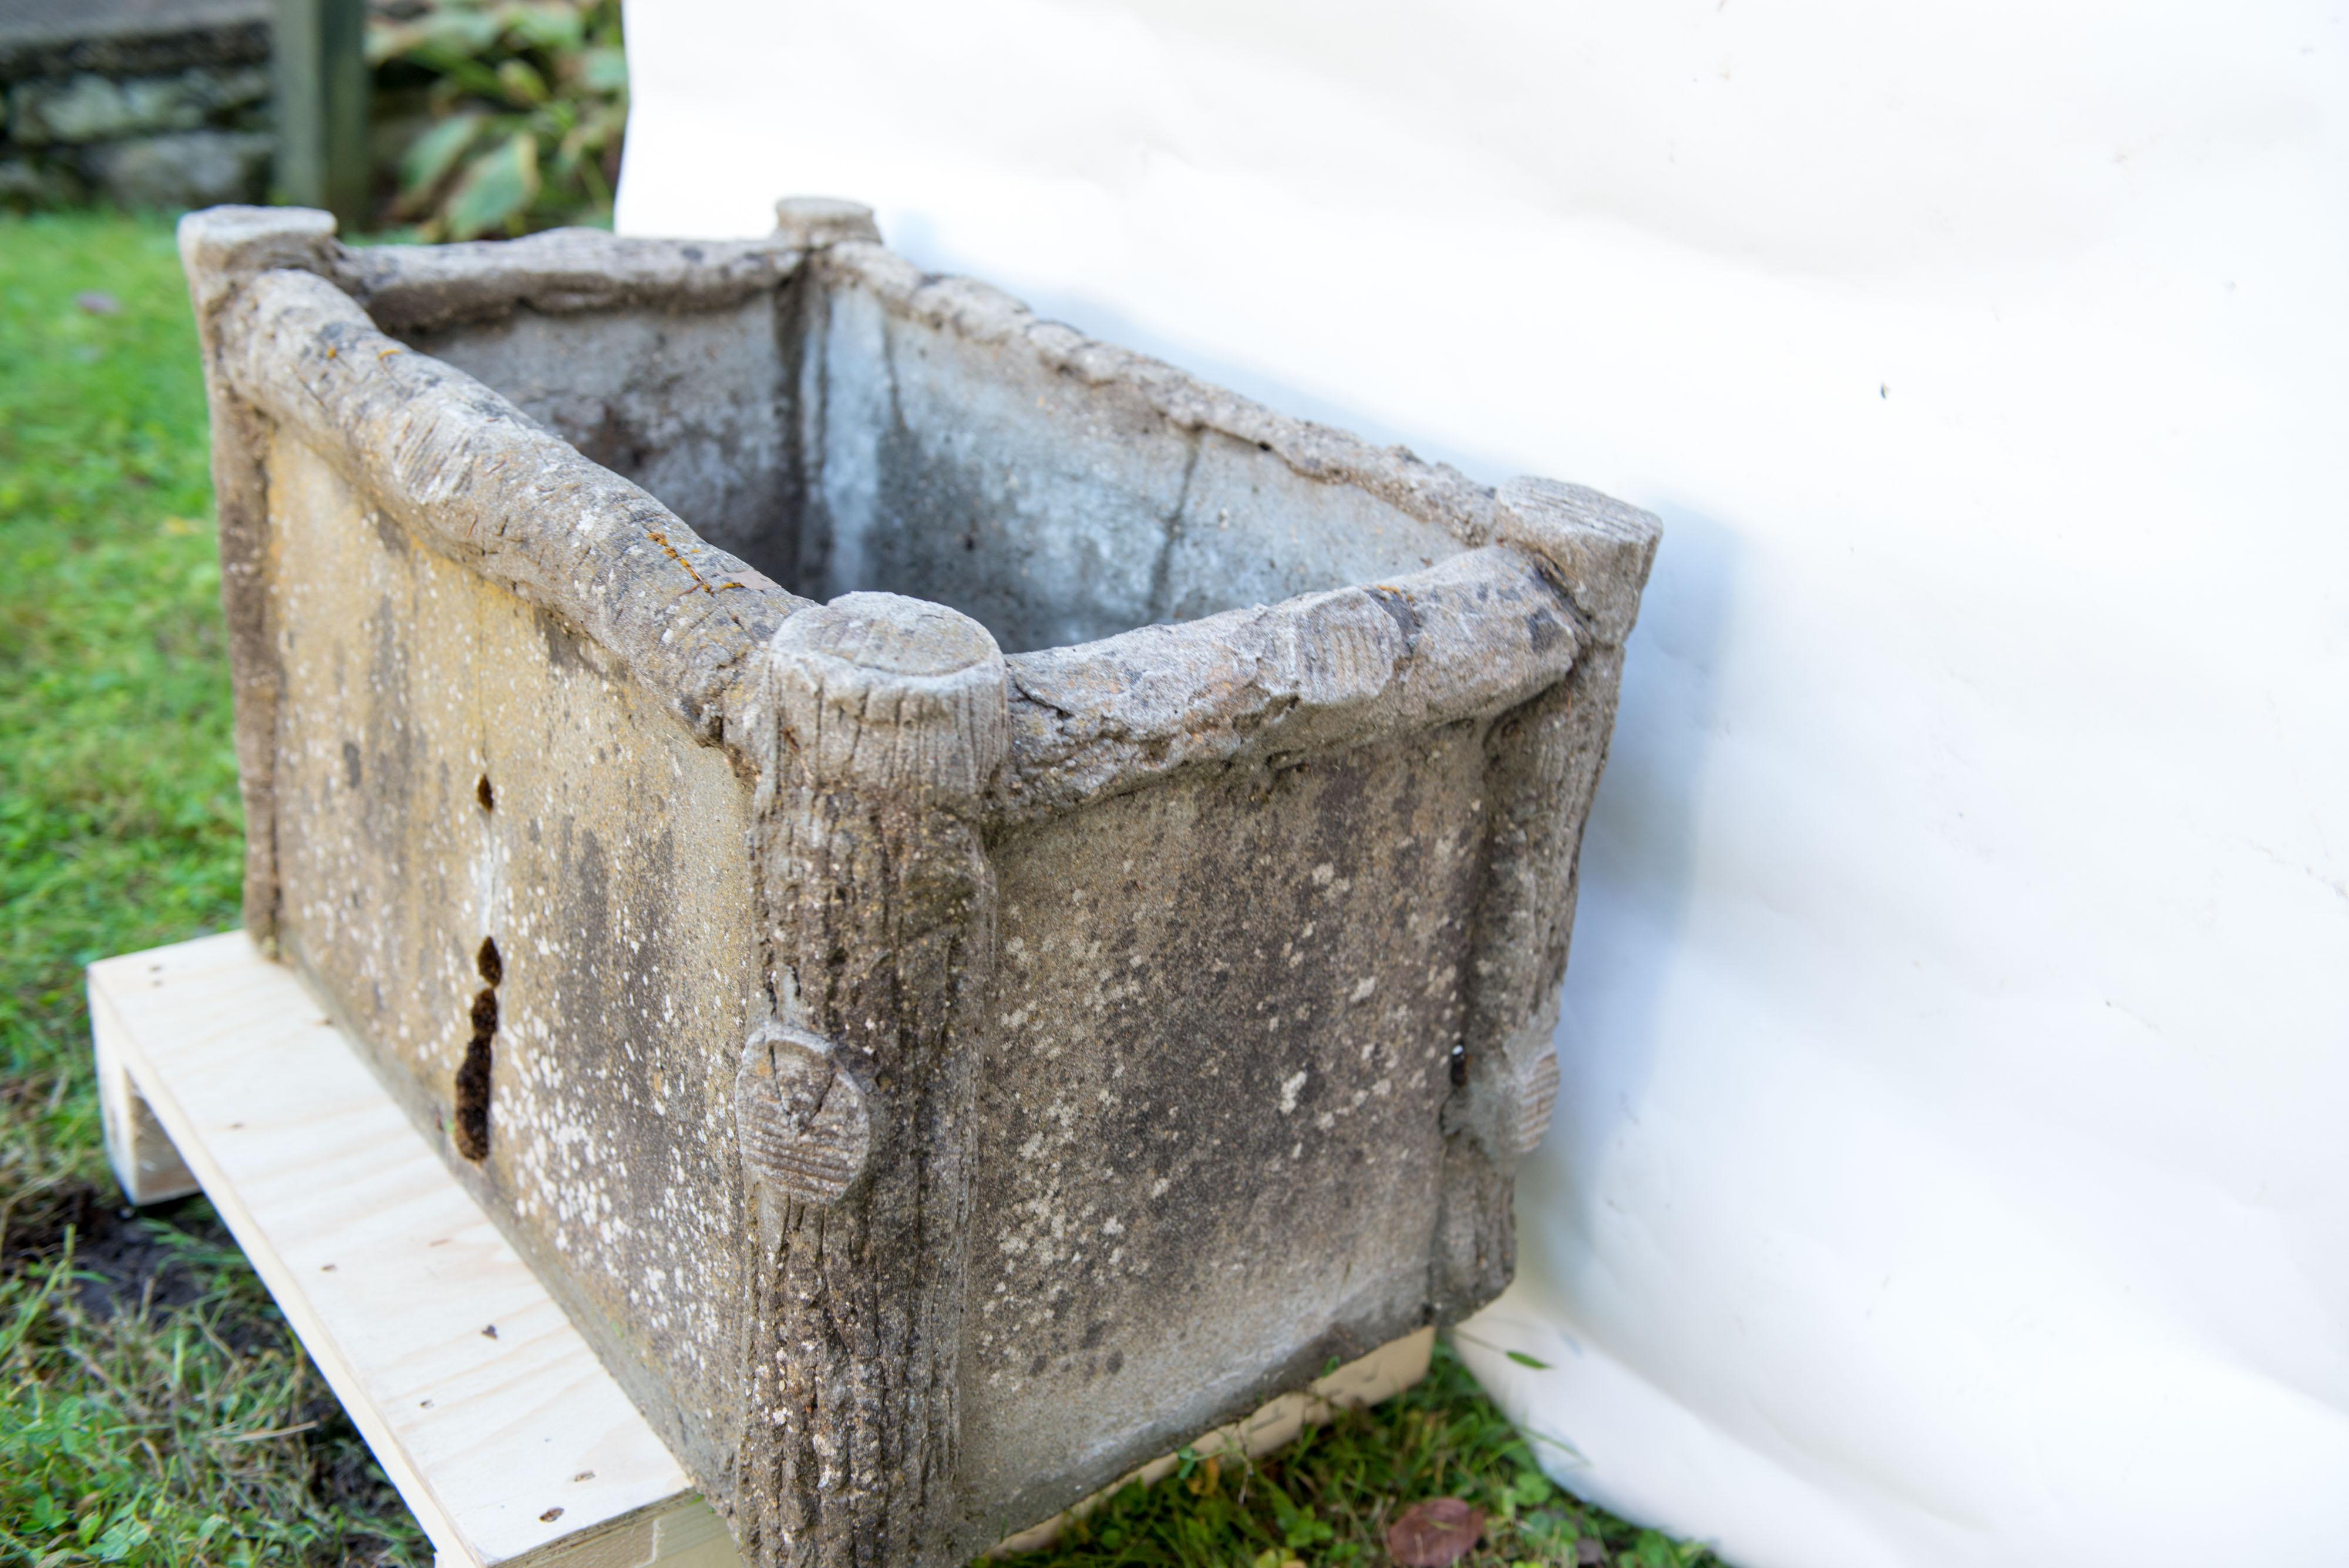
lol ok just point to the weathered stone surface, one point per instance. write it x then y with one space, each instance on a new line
185 169
146 103
92 108
947 1043
129 37
33 182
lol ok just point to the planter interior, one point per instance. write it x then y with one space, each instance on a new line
870 428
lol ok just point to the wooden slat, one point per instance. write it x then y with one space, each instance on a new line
513 1449
146 1164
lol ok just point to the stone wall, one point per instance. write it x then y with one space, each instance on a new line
146 103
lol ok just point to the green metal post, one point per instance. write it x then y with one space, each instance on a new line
322 106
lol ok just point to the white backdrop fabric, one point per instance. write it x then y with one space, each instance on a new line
1950 1165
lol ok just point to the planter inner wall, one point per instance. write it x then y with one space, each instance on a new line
836 439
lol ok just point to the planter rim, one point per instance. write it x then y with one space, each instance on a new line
308 333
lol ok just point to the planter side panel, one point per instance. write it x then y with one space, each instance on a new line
689 404
609 867
1220 1046
952 460
1255 531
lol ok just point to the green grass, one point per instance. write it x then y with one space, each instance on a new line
142 1370
118 815
154 1407
1328 1498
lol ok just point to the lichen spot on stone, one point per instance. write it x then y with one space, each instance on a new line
1289 1090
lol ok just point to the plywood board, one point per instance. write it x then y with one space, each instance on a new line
512 1446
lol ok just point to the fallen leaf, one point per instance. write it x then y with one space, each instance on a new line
1435 1533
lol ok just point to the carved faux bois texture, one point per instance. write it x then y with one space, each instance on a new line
1027 892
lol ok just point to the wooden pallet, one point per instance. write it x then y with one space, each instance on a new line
513 1447
491 1417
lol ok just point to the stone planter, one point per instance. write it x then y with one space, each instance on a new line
948 1043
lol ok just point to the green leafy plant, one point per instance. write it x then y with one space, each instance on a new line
509 117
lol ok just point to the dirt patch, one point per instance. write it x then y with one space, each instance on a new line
34 1220
122 1257
161 1259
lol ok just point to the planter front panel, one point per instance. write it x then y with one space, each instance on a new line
609 872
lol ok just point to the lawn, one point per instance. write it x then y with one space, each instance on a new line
153 1406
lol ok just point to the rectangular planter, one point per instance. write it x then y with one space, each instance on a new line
976 906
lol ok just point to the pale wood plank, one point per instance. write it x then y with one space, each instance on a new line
391 1273
146 1164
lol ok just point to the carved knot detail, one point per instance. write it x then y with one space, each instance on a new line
890 694
799 1115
